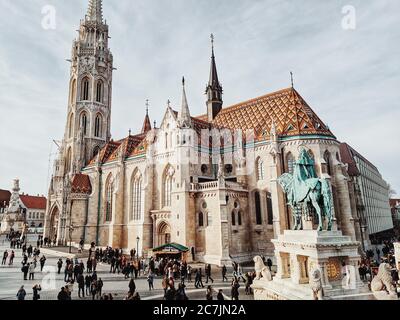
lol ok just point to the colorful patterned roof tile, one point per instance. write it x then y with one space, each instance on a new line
81 184
286 108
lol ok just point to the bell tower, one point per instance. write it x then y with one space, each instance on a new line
90 87
214 89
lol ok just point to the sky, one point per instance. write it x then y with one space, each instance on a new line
348 73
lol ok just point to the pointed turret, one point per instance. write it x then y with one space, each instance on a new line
214 89
146 123
95 11
184 119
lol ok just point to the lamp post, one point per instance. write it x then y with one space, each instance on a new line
137 247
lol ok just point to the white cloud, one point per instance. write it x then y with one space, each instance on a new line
350 78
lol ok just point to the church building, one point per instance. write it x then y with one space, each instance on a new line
206 182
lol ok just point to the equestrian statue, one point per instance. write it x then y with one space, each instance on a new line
305 192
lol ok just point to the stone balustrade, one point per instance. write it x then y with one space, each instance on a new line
212 185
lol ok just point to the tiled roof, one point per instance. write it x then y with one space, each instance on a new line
347 157
129 146
32 202
353 153
81 184
286 108
5 196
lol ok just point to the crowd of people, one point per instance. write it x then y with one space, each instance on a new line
174 274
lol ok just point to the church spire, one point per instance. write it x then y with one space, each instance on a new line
214 88
184 119
95 11
146 123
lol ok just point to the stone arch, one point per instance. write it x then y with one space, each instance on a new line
163 233
54 223
72 97
85 88
84 121
100 91
98 125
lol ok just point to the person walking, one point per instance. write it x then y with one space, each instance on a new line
81 285
11 258
5 255
224 271
99 287
36 288
235 289
42 262
62 295
89 264
88 281
132 286
198 279
150 280
32 271
59 265
93 289
180 293
25 270
21 293
165 284
208 273
220 295
209 293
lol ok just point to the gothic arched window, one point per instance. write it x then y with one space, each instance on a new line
258 208
168 179
99 91
85 89
233 218
136 196
97 126
289 163
84 123
260 169
70 125
327 158
68 161
73 92
109 200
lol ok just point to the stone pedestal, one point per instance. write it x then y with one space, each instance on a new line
13 221
298 253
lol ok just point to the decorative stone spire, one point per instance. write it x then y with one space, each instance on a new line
184 119
146 123
95 11
214 89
